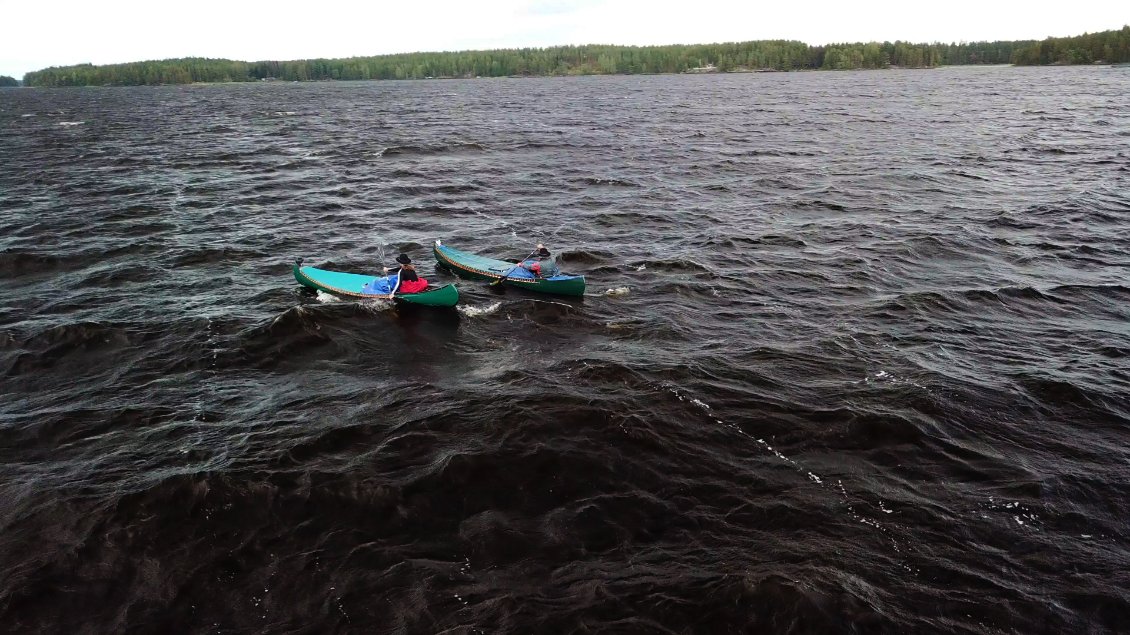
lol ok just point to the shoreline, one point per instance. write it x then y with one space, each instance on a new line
688 73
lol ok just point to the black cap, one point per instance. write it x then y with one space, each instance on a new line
543 252
404 259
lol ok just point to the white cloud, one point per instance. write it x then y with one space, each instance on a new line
34 35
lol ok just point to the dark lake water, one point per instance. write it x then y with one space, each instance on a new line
853 356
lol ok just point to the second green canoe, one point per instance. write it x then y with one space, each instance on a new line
482 268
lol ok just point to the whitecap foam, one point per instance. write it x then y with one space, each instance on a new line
815 478
378 305
71 123
476 311
1019 512
327 298
617 291
883 377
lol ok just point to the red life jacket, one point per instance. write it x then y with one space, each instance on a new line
412 286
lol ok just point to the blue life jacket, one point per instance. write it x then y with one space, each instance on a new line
548 266
380 286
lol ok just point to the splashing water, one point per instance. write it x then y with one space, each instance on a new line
479 311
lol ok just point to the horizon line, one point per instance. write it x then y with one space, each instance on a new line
552 46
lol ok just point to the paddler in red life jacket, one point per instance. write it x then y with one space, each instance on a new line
542 264
403 279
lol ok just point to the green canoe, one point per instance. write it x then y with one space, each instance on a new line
349 285
480 268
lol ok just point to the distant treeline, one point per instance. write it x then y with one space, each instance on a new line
780 55
1112 47
8 81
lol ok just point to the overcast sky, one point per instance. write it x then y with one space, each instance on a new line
35 34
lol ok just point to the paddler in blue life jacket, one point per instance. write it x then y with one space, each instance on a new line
542 264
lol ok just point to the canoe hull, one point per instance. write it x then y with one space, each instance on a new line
476 267
349 285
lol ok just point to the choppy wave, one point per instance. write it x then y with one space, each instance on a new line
846 364
479 311
425 150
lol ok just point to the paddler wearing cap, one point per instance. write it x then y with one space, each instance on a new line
541 263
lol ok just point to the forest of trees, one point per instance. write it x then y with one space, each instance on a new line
780 55
8 81
1111 47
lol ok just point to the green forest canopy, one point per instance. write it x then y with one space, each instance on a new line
8 81
780 55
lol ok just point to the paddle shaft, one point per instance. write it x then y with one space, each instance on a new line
399 272
513 269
